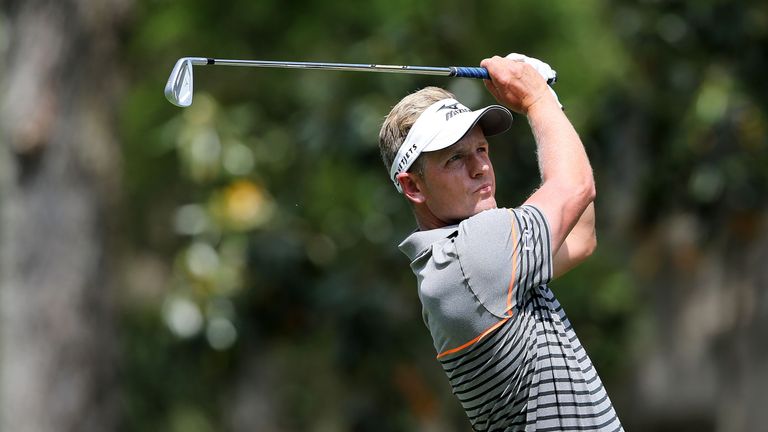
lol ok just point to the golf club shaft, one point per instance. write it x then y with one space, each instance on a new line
450 71
179 87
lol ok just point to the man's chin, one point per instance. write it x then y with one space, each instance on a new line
486 204
481 206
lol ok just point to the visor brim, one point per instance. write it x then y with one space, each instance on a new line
493 120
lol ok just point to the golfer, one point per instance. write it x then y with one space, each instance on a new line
510 354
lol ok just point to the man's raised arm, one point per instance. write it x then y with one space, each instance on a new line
567 186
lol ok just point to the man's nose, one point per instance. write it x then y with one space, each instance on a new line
479 165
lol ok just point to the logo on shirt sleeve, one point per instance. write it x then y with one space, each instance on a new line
527 239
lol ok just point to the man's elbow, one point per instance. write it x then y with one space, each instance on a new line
587 191
581 194
590 245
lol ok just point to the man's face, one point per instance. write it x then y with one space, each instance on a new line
458 181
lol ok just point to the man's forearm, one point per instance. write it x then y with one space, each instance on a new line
579 245
567 184
561 155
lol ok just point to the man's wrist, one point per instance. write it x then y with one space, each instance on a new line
544 105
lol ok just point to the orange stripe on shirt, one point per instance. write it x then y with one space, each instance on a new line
515 252
475 340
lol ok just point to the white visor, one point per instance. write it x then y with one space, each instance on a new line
443 124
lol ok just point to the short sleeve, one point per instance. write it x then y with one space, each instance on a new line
502 254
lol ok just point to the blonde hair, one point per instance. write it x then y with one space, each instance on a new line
400 120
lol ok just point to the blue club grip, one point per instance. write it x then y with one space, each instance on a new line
481 73
470 72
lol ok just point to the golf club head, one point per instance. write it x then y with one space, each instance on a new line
178 89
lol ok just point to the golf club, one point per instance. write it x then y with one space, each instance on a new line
178 90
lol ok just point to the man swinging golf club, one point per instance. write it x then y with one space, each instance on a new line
510 354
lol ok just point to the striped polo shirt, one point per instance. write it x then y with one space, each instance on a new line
510 353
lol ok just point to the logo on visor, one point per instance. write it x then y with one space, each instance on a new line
450 107
404 160
454 109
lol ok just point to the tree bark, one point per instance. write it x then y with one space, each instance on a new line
60 183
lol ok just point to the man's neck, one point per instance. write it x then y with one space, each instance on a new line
426 220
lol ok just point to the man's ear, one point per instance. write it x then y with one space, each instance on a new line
412 187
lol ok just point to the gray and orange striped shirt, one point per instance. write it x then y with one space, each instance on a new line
510 353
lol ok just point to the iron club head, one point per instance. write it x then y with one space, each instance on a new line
178 89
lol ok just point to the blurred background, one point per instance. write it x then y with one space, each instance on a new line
233 266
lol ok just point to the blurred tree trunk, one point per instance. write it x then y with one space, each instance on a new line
703 363
59 182
706 365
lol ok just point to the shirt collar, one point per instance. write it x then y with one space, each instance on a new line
419 241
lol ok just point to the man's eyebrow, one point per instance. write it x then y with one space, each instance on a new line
456 151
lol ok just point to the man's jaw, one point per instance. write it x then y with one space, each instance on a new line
487 199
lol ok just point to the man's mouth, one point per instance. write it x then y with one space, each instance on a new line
485 188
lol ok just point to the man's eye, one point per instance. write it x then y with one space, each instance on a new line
482 149
454 158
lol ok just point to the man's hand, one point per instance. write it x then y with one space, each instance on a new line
516 84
